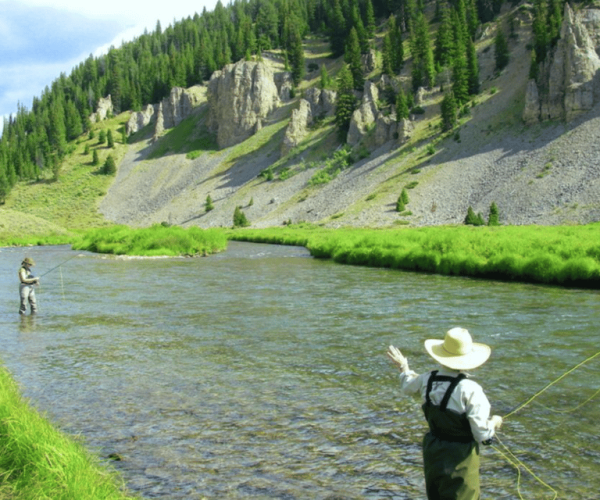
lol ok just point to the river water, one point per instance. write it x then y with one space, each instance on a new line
261 372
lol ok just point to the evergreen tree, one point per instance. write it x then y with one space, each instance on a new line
494 219
324 80
109 167
370 24
402 109
95 159
109 139
397 47
239 218
449 111
337 30
501 53
404 196
423 71
444 41
208 204
460 76
387 56
472 68
346 102
102 136
400 205
353 59
296 56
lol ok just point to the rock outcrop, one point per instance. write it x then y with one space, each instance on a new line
297 127
140 119
371 126
240 97
169 113
322 102
568 82
104 108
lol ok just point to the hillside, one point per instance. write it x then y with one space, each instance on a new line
542 174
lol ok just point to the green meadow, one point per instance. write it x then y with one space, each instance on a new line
556 255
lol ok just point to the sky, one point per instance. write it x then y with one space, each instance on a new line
40 39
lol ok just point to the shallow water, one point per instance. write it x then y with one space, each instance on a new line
261 372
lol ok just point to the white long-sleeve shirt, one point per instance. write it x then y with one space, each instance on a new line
467 397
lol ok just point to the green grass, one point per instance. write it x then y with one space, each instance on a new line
39 462
156 240
557 255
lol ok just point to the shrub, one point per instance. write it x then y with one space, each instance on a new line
109 166
239 218
493 219
208 204
474 219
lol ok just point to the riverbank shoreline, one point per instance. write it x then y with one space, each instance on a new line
39 461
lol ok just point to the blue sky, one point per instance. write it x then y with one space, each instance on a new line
40 39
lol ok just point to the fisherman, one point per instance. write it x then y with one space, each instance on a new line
27 281
457 411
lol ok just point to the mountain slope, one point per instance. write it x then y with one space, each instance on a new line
545 174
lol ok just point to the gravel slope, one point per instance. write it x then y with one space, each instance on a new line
545 174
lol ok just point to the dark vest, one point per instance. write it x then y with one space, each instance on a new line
445 424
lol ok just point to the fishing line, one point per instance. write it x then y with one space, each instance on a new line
515 461
517 464
520 407
56 267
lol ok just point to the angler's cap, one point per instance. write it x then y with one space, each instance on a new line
458 351
28 261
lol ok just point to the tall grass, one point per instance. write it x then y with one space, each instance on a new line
156 240
558 255
39 462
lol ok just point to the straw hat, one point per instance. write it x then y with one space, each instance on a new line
29 261
458 351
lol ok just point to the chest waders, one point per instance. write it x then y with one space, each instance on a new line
450 454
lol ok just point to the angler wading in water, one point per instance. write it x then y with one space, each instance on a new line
26 283
457 411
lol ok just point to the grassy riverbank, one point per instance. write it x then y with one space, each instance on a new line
38 461
157 240
557 255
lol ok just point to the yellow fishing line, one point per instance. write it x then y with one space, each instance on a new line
517 464
571 409
512 459
550 385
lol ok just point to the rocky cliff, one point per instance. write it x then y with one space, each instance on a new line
569 80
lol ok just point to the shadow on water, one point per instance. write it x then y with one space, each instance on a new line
261 372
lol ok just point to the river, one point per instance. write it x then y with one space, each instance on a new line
261 372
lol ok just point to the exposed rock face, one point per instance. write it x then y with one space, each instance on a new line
105 106
170 112
568 83
240 97
364 116
372 127
285 84
322 102
139 120
297 128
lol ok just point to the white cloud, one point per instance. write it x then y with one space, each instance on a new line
43 38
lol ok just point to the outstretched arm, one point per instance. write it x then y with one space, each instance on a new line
399 360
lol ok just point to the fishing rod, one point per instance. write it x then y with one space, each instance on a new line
56 267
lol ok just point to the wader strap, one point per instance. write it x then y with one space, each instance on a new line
454 381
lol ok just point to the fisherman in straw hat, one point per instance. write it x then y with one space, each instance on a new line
26 291
457 411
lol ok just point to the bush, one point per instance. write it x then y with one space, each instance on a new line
239 218
110 166
208 204
474 219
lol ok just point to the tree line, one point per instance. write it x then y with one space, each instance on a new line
186 53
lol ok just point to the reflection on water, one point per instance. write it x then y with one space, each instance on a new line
261 373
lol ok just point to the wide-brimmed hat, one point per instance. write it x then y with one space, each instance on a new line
29 261
458 351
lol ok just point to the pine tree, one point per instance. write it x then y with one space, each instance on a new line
102 136
337 30
387 56
493 219
472 69
501 53
400 206
109 139
208 204
346 102
239 218
460 76
353 59
296 56
423 72
370 24
324 80
402 109
95 159
404 196
449 110
109 166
